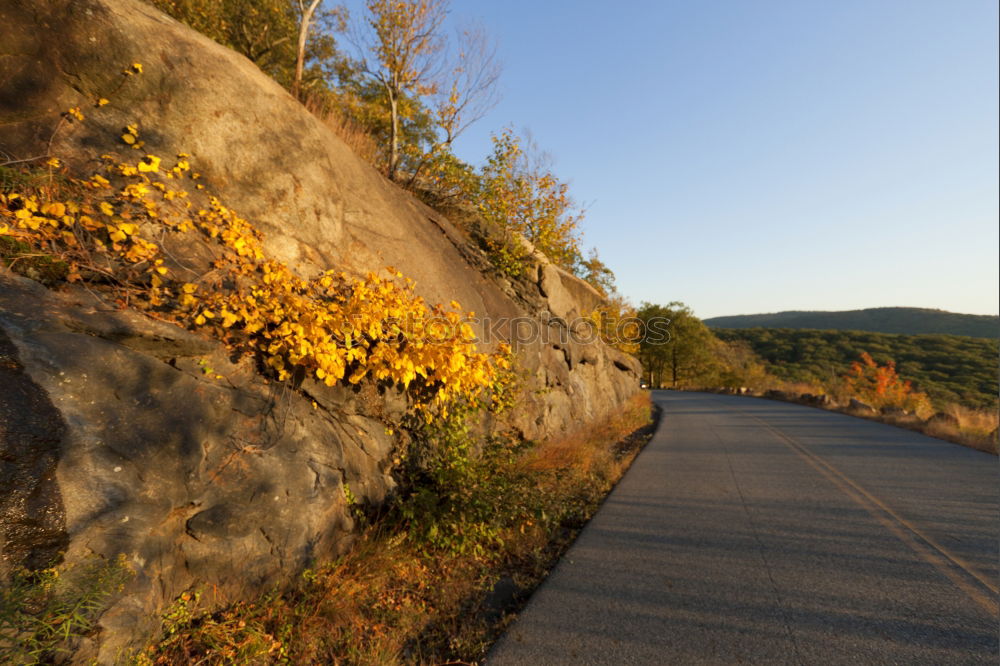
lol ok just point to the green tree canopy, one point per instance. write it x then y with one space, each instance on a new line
687 357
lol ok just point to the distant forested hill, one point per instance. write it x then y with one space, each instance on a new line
908 321
949 368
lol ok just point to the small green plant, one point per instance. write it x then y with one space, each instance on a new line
30 175
44 613
355 507
181 612
207 370
238 634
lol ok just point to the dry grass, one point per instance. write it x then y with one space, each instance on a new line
975 428
586 450
799 388
378 604
974 421
395 600
360 141
357 139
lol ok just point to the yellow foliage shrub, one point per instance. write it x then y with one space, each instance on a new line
332 327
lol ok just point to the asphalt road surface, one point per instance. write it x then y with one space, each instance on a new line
752 531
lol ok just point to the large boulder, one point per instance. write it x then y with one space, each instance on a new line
125 435
821 400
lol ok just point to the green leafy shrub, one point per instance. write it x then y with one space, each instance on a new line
461 491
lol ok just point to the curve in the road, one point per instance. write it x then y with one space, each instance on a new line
751 531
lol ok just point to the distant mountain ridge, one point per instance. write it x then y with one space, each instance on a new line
908 321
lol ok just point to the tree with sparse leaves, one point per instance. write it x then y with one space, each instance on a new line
403 48
598 274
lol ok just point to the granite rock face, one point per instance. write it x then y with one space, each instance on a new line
122 434
266 156
132 436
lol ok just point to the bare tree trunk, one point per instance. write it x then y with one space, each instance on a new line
393 137
300 60
673 365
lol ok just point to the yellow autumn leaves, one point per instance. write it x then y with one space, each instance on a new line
343 329
130 136
149 164
72 230
334 328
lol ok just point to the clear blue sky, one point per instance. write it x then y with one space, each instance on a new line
752 156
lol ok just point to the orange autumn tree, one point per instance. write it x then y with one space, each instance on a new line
881 386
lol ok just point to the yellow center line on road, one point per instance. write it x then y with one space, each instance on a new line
923 545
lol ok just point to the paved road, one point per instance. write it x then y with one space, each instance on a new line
752 531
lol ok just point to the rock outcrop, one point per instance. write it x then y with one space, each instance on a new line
859 407
121 434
